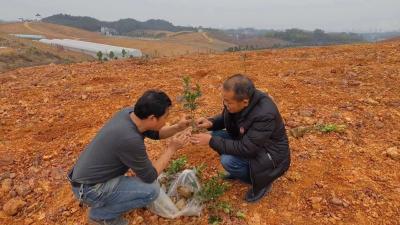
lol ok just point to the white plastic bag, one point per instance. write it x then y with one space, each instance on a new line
165 207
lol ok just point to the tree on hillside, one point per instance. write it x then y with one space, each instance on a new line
111 55
99 55
123 53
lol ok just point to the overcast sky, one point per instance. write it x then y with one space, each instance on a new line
330 15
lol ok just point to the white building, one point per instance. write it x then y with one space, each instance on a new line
92 48
108 31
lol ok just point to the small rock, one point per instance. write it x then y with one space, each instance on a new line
66 213
307 112
139 219
31 112
28 221
336 201
41 216
83 97
319 185
293 176
6 185
371 101
47 157
379 124
13 175
6 160
298 131
309 121
353 83
393 153
314 200
73 210
23 190
13 194
13 206
5 175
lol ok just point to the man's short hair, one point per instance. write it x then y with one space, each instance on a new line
241 85
152 102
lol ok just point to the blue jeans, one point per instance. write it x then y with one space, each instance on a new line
121 194
237 167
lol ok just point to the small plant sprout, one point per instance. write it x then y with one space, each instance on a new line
177 165
240 215
212 189
226 207
199 170
327 128
214 220
190 98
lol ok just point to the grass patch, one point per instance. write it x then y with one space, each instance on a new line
328 128
177 165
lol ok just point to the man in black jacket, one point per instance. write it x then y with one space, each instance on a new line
254 148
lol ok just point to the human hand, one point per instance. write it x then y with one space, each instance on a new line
203 123
184 122
201 139
179 140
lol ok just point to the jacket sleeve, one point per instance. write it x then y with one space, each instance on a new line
252 142
218 122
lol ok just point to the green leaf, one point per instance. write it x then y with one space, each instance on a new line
240 215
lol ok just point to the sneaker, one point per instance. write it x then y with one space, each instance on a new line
117 221
254 196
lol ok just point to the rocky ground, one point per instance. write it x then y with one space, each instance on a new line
348 176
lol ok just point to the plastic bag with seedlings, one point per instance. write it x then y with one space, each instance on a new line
177 195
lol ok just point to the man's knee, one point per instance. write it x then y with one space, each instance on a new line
227 162
153 190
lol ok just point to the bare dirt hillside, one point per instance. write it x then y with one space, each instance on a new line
50 113
186 43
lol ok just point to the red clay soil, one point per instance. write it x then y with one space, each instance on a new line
48 114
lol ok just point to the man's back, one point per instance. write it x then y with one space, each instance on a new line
117 147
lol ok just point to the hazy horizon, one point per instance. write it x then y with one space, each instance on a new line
329 15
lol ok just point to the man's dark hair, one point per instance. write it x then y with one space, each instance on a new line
242 86
152 102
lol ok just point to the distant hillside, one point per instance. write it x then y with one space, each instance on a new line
381 36
16 53
247 41
122 26
298 37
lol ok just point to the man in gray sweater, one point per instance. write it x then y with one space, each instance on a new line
98 179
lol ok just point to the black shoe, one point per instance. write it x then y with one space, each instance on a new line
228 176
254 196
117 221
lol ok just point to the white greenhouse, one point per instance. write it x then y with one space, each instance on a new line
29 36
92 48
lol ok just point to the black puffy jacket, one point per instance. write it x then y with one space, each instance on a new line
259 135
